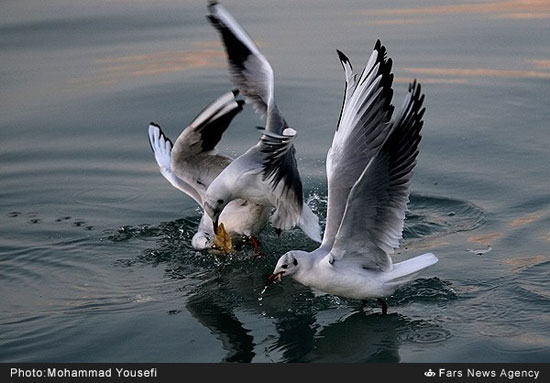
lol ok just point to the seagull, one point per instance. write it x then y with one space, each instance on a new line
266 174
369 170
192 163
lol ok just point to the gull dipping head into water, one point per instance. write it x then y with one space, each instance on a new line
369 170
267 174
192 163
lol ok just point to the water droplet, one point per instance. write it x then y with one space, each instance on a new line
261 297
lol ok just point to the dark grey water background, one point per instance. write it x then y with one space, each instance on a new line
95 256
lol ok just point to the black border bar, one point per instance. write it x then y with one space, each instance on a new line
336 373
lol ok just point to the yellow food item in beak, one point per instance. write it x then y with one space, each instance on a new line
222 240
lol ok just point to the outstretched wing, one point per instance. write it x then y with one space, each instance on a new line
162 148
362 127
280 170
249 69
206 130
191 163
373 220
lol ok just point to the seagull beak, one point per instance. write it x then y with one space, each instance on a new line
275 277
214 215
216 220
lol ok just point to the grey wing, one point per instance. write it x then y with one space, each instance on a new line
162 148
190 164
279 168
375 210
249 69
206 130
362 127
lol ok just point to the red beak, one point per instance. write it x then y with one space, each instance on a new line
275 277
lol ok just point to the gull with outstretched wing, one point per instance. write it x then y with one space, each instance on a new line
192 163
267 173
369 170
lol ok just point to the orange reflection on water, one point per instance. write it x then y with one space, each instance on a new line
527 220
398 21
485 239
117 69
507 9
432 80
160 63
541 64
518 264
478 72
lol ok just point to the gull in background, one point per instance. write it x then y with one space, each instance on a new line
369 170
267 173
192 163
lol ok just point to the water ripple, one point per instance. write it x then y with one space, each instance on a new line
426 333
108 195
424 289
435 215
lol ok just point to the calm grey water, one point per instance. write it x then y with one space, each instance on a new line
95 256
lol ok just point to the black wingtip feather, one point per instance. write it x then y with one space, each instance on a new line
280 165
212 123
406 130
237 52
389 64
384 67
212 3
161 135
343 58
381 48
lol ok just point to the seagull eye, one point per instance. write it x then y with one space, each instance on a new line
295 262
220 201
285 266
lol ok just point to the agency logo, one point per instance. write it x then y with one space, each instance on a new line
429 373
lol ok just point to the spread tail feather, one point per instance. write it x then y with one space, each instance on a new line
405 271
309 223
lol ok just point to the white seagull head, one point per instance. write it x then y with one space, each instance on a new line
216 198
288 264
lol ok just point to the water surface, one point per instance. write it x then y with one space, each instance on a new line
95 256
